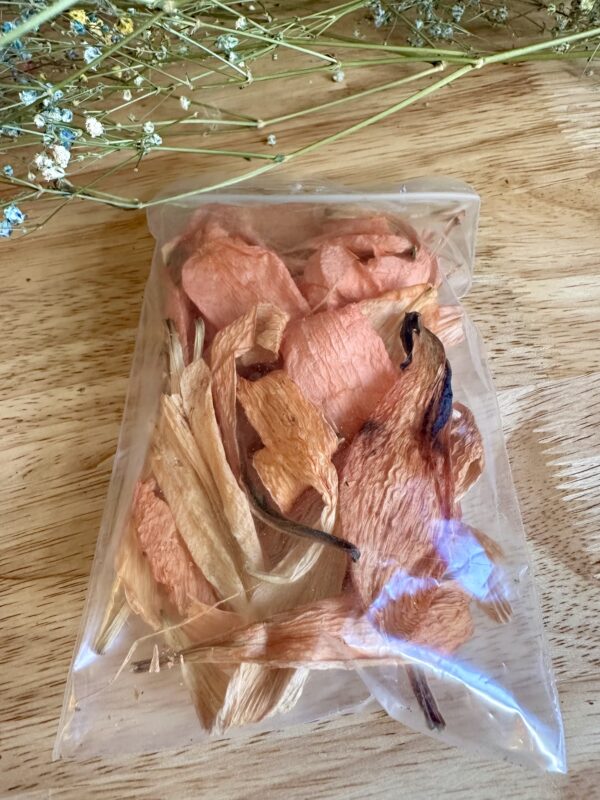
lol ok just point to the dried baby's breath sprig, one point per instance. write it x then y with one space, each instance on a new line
86 85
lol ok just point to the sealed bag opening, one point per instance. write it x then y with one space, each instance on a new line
311 510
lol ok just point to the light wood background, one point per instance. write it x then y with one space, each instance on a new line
528 138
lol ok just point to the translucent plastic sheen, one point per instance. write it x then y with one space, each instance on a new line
496 691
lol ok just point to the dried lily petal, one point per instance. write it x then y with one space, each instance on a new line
168 557
446 322
359 263
226 277
399 467
386 313
256 693
182 476
196 393
340 364
141 590
179 308
206 683
308 635
467 449
254 337
298 442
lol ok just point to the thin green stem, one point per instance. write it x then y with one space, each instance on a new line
414 98
207 151
519 52
356 96
427 53
205 49
287 43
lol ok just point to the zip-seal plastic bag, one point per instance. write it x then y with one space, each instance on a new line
311 509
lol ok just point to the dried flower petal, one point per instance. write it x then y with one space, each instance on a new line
207 683
363 258
134 572
340 365
258 692
254 337
182 476
298 442
446 322
168 557
386 313
179 308
227 277
467 449
198 405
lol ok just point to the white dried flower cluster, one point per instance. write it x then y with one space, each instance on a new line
94 127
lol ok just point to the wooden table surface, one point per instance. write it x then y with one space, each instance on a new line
528 138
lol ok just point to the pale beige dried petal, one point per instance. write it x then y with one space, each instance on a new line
294 564
259 692
298 442
207 683
184 479
256 693
141 590
255 337
494 602
197 398
322 573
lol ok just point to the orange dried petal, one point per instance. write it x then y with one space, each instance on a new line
466 449
256 336
298 442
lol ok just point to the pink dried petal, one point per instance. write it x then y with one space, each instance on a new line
340 364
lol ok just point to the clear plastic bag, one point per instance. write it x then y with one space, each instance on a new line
329 411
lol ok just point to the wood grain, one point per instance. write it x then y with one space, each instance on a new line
70 303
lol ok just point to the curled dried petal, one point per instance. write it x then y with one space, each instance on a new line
196 391
466 449
360 260
141 590
298 442
188 487
256 336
